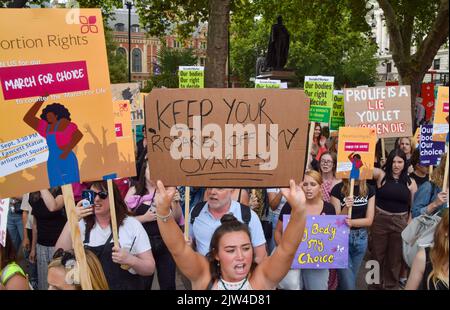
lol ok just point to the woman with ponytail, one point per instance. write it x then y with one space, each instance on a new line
230 263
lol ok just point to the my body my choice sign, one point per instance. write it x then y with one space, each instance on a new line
324 244
226 137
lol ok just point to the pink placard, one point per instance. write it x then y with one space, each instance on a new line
41 80
356 147
119 131
445 107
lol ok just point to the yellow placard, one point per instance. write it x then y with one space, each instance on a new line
60 53
124 135
356 153
440 123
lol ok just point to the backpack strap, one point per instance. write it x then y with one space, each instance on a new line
196 211
246 213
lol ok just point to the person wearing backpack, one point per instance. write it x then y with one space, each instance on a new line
205 218
430 267
431 197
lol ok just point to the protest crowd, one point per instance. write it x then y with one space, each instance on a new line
348 197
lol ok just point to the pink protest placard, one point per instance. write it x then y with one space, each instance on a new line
356 147
119 131
40 80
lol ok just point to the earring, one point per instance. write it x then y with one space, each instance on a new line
218 263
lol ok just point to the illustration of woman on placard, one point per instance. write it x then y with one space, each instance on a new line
62 136
357 163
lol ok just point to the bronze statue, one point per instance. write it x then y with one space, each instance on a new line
277 52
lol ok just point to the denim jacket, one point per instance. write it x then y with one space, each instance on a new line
424 197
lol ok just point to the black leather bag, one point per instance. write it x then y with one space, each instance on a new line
267 229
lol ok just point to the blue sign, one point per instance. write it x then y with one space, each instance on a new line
430 151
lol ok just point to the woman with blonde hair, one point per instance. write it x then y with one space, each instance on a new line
430 266
431 197
407 145
63 272
309 279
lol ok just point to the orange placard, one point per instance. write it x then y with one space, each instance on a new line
440 123
130 91
124 135
69 137
356 153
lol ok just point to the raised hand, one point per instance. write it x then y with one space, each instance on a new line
295 196
164 198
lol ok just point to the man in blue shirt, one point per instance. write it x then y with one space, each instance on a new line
219 203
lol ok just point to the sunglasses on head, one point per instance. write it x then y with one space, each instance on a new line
64 255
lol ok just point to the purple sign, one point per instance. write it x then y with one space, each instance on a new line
430 151
324 244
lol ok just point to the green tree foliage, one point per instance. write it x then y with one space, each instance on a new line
424 24
325 40
169 59
117 62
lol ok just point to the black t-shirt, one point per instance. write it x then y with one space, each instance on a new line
151 228
49 224
328 209
419 180
359 204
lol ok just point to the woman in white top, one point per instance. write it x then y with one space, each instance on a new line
95 230
230 263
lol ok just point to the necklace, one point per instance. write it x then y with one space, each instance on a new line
232 286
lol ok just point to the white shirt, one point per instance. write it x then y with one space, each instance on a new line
25 206
205 224
128 231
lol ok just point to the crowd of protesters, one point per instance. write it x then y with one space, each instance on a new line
236 236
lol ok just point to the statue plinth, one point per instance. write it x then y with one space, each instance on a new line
283 75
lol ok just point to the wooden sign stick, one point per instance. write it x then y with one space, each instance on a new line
444 185
352 185
430 172
383 150
69 203
112 210
187 198
310 143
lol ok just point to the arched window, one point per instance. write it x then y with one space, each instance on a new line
135 28
119 27
136 60
121 51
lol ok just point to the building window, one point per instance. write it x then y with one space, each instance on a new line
436 64
119 27
136 60
389 67
135 28
121 51
177 44
203 45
